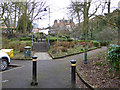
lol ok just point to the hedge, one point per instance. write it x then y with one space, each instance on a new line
26 38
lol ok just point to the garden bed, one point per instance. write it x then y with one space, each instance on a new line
20 56
98 72
18 48
66 48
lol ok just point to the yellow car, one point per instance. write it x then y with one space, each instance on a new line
5 55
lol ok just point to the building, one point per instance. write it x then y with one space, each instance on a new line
63 24
35 25
35 28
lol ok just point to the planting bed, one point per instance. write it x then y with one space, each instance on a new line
98 72
17 46
70 47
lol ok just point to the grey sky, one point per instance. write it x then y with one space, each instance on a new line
58 10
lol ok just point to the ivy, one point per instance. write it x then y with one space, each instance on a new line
114 56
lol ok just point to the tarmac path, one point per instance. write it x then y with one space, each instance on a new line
50 73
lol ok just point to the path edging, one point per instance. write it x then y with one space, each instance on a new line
84 81
21 59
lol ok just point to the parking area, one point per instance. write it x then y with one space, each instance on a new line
10 67
48 72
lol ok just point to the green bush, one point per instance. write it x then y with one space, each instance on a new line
98 63
26 38
53 34
114 56
96 43
66 44
60 48
52 39
104 43
61 36
83 40
69 39
62 39
12 39
81 50
67 36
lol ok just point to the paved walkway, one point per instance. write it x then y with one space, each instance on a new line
51 73
43 56
41 51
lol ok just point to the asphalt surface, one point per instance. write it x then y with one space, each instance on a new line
50 73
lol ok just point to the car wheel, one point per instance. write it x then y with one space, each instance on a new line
4 65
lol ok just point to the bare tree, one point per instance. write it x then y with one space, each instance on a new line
13 10
5 14
35 10
76 9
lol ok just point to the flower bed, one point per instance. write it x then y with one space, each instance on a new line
17 46
66 48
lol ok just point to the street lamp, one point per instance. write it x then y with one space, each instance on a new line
49 28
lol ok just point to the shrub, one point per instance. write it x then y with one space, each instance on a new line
64 44
62 39
53 43
26 38
71 44
12 39
67 36
63 49
81 49
75 42
27 44
14 45
104 43
69 39
54 50
52 39
96 43
61 36
89 44
21 48
107 34
114 56
67 44
53 34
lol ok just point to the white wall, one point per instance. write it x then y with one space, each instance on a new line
44 31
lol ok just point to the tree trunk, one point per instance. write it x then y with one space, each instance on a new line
109 2
118 36
15 17
25 19
78 19
18 16
30 27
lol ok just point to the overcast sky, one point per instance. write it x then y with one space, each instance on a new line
58 9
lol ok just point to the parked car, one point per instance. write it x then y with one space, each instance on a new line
5 55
